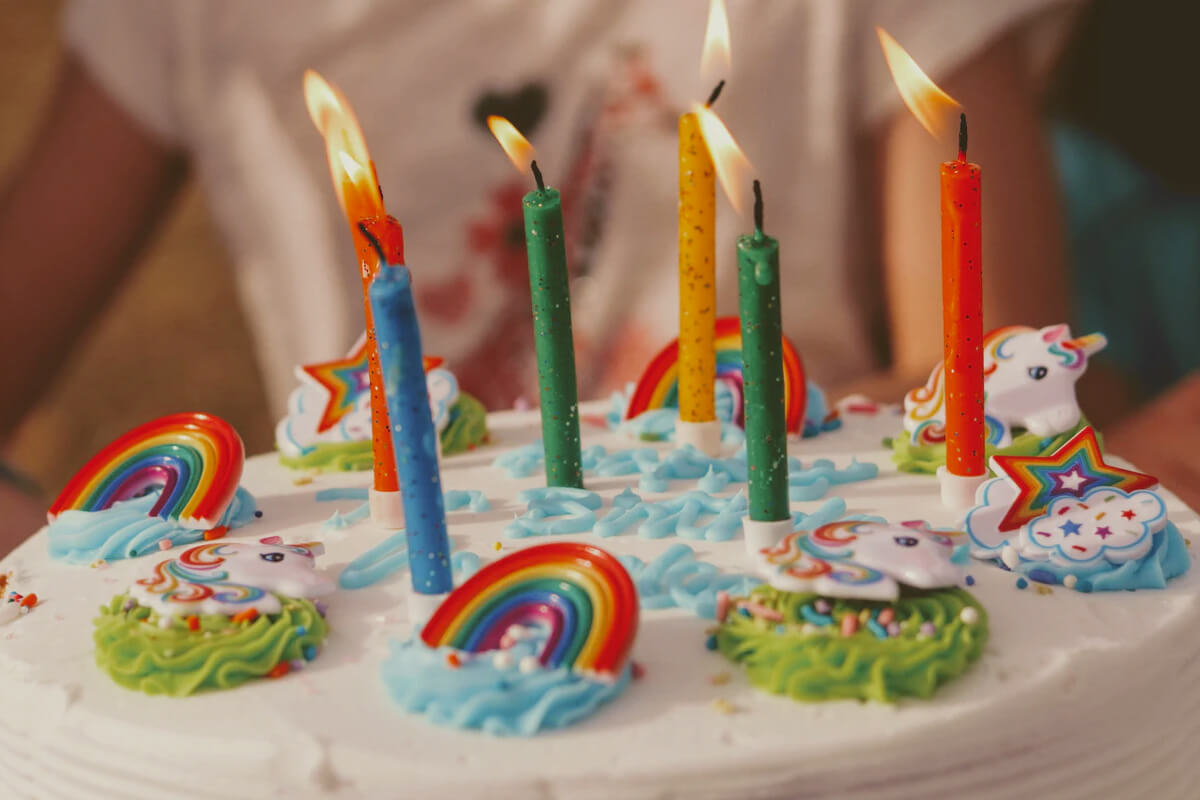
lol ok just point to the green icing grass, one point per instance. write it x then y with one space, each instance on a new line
828 666
467 429
926 458
176 661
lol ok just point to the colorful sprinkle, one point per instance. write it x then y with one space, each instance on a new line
723 706
722 606
814 616
453 661
164 544
248 615
970 580
1069 581
761 611
877 629
893 629
711 643
1022 583
310 652
637 671
258 513
928 629
193 622
279 670
29 600
823 606
216 533
849 624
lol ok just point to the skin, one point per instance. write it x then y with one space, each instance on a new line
86 145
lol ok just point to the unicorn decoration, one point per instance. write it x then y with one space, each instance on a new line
863 560
230 577
1029 384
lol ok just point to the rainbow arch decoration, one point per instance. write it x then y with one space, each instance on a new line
196 458
581 592
658 386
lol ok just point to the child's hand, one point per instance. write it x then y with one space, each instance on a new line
1163 439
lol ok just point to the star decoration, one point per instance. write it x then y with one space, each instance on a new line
345 380
1129 513
1103 532
1069 527
1074 469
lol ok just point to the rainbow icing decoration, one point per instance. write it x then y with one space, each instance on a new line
581 593
196 458
658 386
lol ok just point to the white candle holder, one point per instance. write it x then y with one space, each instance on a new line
422 606
387 508
958 491
704 436
758 534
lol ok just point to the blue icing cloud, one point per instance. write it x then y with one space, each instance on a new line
125 531
555 509
678 579
1168 558
501 700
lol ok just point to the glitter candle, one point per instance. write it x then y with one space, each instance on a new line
414 437
762 370
553 340
962 312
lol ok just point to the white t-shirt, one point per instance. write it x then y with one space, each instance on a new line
597 85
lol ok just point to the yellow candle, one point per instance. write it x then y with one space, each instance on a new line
697 271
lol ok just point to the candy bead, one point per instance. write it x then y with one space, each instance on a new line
722 606
969 615
529 664
886 616
849 625
822 606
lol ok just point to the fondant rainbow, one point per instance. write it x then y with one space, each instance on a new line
659 385
580 592
195 458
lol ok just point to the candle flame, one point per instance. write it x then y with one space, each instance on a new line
934 109
733 168
516 147
350 164
715 60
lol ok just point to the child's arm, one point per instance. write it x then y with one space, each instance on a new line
75 211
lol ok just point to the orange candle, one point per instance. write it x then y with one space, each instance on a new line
358 192
962 311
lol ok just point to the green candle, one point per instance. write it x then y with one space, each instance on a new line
552 334
762 370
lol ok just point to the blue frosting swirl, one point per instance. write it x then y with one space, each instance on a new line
501 700
126 531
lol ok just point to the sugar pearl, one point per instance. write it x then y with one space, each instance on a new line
823 606
164 622
502 660
969 615
928 629
1069 581
529 664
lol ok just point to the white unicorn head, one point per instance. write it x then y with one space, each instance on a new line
866 560
228 577
1029 383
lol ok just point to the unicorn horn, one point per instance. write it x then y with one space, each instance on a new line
1090 344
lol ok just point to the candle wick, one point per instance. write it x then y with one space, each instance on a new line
712 98
962 137
537 175
758 206
373 241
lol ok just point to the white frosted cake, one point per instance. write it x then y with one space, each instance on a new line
1076 695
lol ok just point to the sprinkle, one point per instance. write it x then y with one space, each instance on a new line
502 660
970 580
1043 576
1043 589
863 616
886 616
258 513
814 616
1022 583
497 546
723 706
823 606
849 624
164 544
279 670
297 665
781 628
99 563
164 622
302 480
928 629
453 660
310 652
129 604
29 601
759 610
745 612
720 679
711 642
1069 581
637 671
969 615
893 629
216 533
877 629
529 664
722 606
193 623
249 615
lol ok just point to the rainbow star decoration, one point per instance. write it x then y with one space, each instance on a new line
580 593
658 387
344 380
1075 469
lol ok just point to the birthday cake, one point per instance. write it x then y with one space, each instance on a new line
730 676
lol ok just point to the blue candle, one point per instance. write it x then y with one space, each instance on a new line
413 433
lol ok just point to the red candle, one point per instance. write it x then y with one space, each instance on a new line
962 311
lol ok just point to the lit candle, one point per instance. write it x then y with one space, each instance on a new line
762 371
550 293
962 281
962 312
414 436
361 200
698 425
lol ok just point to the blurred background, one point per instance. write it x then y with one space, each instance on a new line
1124 134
